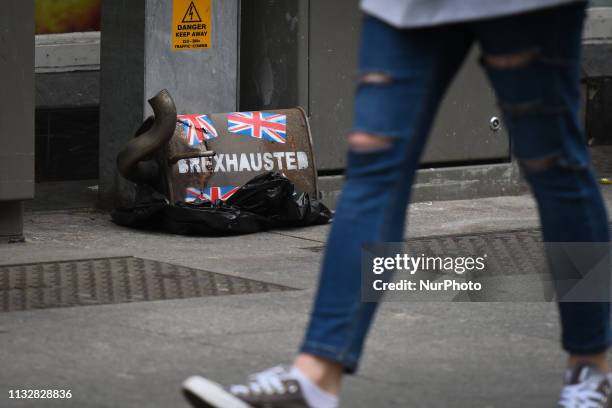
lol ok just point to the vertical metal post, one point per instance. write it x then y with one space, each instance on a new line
16 114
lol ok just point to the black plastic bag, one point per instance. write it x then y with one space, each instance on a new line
269 200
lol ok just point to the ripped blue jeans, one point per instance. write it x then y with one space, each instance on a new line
539 98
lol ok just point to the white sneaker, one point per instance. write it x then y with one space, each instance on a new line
586 387
273 388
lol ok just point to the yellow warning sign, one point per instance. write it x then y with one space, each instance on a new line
191 24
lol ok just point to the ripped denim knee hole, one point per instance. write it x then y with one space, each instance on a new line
520 60
365 142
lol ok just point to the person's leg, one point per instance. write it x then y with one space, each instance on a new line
535 72
403 74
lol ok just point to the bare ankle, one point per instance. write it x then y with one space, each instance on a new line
598 360
325 373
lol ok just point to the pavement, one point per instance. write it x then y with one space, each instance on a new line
137 354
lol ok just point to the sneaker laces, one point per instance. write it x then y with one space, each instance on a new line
266 382
582 395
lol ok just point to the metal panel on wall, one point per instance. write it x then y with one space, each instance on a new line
461 134
334 36
276 73
273 54
463 131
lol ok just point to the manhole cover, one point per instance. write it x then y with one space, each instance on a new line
113 280
515 252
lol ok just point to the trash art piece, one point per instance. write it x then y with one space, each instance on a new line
198 174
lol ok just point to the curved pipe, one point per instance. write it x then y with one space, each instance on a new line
134 161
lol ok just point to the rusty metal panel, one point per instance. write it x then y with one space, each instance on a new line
208 160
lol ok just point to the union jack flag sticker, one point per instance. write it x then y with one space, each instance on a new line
211 194
260 125
197 128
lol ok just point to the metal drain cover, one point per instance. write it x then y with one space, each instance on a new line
113 280
513 252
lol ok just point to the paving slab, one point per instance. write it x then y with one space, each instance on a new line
136 354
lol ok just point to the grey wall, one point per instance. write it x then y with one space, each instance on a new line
67 89
199 80
67 70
